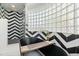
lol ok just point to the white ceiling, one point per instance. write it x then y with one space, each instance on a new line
13 6
30 6
38 6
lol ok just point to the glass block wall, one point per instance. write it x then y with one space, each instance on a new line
59 17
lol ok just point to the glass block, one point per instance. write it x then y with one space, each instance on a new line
77 28
58 13
70 22
77 21
77 13
54 10
58 8
54 5
54 16
70 29
54 30
70 8
77 31
70 15
76 5
50 12
59 29
68 4
63 29
63 17
63 24
64 5
64 11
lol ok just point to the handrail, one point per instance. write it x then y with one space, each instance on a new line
35 46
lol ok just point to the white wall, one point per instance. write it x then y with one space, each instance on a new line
10 50
3 33
5 49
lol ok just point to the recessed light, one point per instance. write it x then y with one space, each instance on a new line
13 6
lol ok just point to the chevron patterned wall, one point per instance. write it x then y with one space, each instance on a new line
15 24
68 42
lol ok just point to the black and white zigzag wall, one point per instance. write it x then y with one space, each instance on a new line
15 24
68 42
